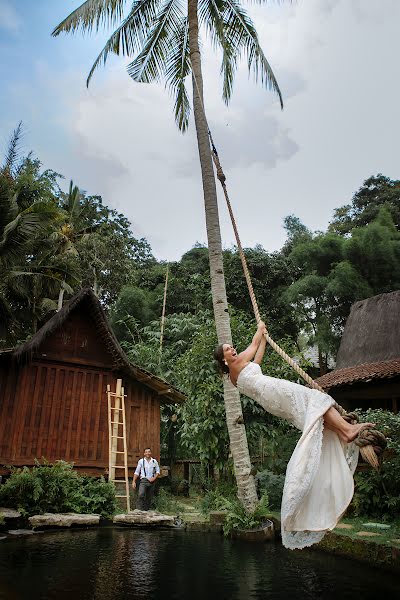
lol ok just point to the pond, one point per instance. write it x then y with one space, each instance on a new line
116 564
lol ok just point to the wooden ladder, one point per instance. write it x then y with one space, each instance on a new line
117 446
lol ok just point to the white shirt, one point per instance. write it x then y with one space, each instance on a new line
147 468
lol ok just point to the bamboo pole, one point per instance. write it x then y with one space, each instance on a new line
163 315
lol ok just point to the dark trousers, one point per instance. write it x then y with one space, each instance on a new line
145 494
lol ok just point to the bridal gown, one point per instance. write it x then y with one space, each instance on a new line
319 477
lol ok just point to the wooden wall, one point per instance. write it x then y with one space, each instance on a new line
59 411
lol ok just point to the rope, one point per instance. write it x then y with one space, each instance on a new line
370 441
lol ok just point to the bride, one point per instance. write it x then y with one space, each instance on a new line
319 477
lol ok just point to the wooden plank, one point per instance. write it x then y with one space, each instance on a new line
75 392
53 429
81 402
99 402
37 409
43 429
88 412
9 382
21 411
61 427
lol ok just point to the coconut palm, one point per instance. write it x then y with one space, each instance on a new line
24 217
162 37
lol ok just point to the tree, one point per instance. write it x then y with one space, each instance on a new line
27 210
377 191
374 250
164 39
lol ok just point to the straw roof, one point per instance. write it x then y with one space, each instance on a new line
86 299
370 346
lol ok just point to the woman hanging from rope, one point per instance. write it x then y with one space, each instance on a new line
319 477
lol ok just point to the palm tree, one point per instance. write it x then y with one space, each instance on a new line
23 219
162 37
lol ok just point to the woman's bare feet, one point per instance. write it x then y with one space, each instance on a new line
353 430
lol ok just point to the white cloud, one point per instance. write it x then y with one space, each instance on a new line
336 65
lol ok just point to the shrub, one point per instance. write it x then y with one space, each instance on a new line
213 500
56 488
166 503
271 484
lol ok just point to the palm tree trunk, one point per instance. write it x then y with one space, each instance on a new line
237 432
61 297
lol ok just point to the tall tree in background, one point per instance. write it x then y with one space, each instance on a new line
376 192
163 37
26 212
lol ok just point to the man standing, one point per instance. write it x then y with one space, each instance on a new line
147 471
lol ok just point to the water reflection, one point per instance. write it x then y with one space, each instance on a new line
116 564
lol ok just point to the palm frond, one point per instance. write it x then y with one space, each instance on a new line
12 152
92 14
212 16
6 208
241 32
177 69
150 64
20 232
6 316
129 37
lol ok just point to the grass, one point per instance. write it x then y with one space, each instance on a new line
386 536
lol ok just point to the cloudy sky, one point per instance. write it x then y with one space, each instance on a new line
337 63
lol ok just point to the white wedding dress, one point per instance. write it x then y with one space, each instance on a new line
319 477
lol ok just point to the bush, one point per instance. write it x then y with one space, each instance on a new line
378 492
56 488
271 484
166 503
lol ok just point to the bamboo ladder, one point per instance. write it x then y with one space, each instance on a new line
116 422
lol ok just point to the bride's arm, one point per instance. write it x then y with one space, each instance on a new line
260 351
248 354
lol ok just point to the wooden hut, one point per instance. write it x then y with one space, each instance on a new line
367 373
53 401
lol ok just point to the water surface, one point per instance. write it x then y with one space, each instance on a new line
117 564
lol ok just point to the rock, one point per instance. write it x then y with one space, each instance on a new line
343 526
367 534
148 518
63 520
20 532
376 525
9 513
217 517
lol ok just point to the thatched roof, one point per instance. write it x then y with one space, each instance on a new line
372 332
370 346
87 299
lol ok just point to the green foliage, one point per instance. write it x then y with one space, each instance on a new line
271 484
376 192
56 488
378 492
166 503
